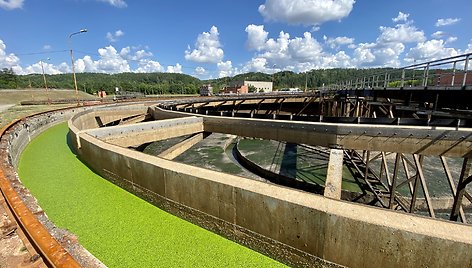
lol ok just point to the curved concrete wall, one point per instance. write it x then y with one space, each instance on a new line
298 228
23 132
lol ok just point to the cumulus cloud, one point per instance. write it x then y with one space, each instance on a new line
306 12
304 49
175 69
336 43
256 37
207 48
126 53
296 54
11 4
113 37
469 47
401 17
306 52
402 33
446 22
430 50
225 69
36 68
200 70
109 62
115 3
438 34
149 66
9 60
389 45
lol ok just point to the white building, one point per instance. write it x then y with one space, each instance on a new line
261 86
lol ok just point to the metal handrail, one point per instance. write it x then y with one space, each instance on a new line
410 75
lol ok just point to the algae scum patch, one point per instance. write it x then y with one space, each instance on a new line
117 227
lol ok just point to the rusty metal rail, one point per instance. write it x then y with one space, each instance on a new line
51 251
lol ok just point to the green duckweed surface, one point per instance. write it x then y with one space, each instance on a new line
119 228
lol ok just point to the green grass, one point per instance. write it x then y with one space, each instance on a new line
116 226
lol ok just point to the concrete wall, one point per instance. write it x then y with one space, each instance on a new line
25 131
301 229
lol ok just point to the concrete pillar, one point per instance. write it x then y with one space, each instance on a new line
334 175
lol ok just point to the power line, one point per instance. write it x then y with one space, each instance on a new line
40 53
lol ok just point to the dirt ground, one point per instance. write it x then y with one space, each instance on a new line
13 252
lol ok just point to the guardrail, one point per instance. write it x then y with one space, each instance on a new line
446 73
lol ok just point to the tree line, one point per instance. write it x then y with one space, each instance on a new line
172 83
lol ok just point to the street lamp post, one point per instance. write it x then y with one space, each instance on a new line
45 82
73 65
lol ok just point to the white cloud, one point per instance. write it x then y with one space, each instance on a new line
149 66
446 22
175 69
36 68
438 34
200 70
430 50
256 37
140 54
207 48
9 60
47 47
304 53
110 61
296 54
115 3
306 12
225 69
256 65
389 45
11 4
451 39
469 47
401 17
114 37
402 33
336 43
304 49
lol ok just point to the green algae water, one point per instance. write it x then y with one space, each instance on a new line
119 228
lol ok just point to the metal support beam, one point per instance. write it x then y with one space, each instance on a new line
416 183
423 185
452 185
393 186
463 181
385 167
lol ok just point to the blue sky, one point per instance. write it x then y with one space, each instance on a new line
210 39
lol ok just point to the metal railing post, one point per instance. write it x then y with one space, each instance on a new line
466 67
403 78
426 75
453 74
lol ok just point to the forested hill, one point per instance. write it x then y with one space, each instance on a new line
171 83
